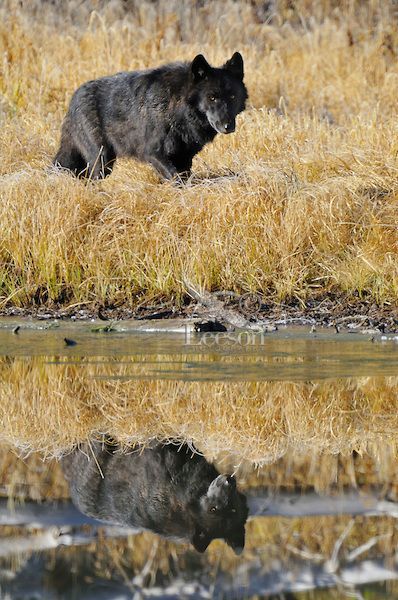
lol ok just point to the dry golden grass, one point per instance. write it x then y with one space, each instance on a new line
301 201
51 407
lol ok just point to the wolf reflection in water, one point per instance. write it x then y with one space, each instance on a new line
165 488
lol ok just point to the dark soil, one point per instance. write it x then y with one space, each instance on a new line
331 311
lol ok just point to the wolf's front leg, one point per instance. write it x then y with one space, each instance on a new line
164 166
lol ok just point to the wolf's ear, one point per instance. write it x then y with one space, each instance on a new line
200 67
237 540
200 540
235 65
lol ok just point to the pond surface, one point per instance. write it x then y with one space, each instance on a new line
307 421
172 350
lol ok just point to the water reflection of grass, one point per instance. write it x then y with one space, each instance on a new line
51 407
31 477
292 544
267 539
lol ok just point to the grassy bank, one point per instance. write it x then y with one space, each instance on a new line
300 202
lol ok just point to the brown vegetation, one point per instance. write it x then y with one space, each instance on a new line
301 201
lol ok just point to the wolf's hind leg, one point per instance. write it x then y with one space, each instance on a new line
70 159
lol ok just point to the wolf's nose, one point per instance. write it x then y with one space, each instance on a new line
229 127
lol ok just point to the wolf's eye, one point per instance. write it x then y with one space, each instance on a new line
212 98
213 509
232 96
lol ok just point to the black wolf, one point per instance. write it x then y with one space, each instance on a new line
167 489
163 116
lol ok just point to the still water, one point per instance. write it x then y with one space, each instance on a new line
228 465
172 350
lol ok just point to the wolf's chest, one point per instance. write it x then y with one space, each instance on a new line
185 136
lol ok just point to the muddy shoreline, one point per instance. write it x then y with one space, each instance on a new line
231 311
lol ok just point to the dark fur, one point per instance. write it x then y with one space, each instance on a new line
163 116
166 489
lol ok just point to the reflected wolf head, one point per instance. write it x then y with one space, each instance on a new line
167 489
223 513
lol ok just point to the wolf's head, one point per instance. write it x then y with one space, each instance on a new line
220 94
222 514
